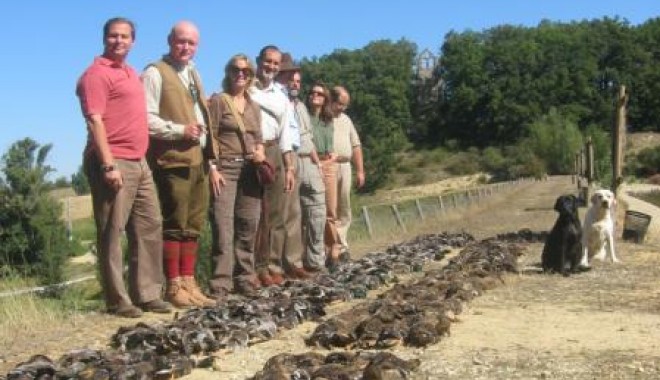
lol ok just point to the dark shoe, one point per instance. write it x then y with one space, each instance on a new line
332 263
128 311
299 273
313 270
265 279
246 289
220 295
345 256
156 306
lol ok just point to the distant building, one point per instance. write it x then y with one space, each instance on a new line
427 78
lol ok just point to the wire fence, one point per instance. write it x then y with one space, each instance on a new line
376 221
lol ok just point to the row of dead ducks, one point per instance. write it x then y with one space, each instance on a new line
402 315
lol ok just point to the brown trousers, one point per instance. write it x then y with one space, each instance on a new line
279 241
332 241
234 220
133 209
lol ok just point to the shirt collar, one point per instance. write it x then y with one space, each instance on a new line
108 62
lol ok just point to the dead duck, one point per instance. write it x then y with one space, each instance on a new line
37 367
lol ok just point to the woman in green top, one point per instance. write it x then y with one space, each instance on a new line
318 104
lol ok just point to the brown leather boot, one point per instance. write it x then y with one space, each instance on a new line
177 295
190 285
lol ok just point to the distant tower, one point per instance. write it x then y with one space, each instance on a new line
427 78
426 62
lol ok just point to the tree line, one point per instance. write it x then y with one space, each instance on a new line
500 88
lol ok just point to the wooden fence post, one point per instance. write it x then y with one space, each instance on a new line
367 221
441 203
419 209
397 216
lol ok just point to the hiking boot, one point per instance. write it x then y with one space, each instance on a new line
265 279
278 279
177 295
126 311
156 306
200 299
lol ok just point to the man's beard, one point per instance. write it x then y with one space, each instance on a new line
294 92
268 76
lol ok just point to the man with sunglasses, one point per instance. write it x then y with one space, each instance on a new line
181 152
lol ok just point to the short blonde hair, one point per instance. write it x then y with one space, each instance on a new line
226 81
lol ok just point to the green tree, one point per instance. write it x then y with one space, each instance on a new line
79 182
378 78
554 138
32 235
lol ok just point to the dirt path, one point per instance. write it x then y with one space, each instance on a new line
604 324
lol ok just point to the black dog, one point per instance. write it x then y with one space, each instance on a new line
564 243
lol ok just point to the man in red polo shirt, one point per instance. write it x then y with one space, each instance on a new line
123 192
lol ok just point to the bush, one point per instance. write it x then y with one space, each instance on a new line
33 238
464 163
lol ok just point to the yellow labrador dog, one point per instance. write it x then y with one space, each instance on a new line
598 228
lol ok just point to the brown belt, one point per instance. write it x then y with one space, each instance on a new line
302 155
324 157
271 142
342 160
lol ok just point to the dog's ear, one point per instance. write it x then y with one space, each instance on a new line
594 197
559 203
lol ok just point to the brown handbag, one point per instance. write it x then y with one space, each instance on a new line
264 170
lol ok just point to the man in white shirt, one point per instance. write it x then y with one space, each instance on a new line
281 137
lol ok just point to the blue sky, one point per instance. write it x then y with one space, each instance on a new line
48 44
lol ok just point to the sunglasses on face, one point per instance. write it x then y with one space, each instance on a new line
245 71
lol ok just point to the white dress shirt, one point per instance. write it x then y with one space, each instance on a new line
278 119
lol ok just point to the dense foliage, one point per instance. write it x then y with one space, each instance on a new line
378 78
496 82
33 237
79 182
528 95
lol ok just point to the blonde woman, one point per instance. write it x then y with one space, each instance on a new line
236 124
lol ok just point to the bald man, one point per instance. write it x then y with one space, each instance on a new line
182 153
348 149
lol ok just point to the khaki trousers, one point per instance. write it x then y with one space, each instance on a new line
344 216
312 202
332 243
134 210
234 220
279 241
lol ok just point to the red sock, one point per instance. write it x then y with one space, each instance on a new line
188 258
171 258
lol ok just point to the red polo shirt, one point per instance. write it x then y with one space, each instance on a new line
115 92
